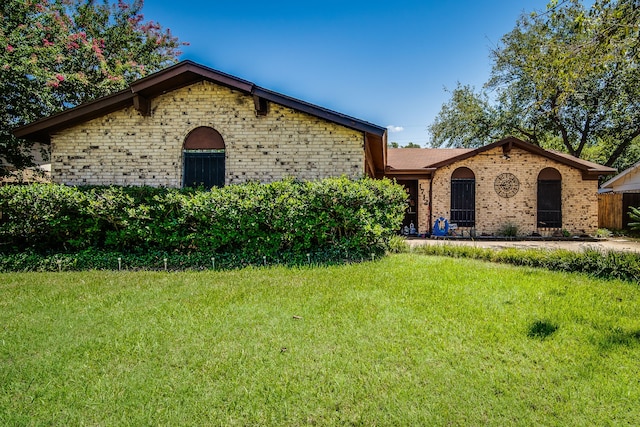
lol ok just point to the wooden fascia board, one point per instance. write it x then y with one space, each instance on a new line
422 173
594 174
368 156
384 150
508 143
314 110
41 129
248 87
184 73
376 147
586 170
188 68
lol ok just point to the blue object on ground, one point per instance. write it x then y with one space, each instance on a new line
441 227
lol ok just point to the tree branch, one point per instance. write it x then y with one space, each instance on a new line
621 148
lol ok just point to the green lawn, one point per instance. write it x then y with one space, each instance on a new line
407 340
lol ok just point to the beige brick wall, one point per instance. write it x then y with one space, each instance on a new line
423 205
126 148
579 197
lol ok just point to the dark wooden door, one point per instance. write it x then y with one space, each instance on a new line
411 213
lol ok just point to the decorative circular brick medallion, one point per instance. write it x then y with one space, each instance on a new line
506 185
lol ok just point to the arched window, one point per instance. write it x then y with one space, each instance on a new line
549 198
463 198
203 158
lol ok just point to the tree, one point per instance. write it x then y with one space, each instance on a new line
614 28
409 145
557 83
466 120
58 54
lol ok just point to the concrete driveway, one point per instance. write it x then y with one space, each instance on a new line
612 244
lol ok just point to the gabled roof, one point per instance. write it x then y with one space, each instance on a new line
185 73
627 180
415 161
179 75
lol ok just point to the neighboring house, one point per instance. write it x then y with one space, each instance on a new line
627 181
507 183
616 196
189 125
39 173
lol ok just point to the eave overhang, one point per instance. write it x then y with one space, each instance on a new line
185 73
41 130
507 144
402 174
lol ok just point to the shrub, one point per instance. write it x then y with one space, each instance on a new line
398 245
603 233
334 218
508 230
606 265
42 215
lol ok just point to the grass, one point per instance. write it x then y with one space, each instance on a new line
406 340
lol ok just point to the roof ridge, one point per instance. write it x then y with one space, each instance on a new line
178 75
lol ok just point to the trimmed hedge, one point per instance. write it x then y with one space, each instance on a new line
334 218
605 265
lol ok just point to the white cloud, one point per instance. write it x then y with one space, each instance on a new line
395 129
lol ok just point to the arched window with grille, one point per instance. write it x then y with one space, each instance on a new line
463 197
203 154
549 198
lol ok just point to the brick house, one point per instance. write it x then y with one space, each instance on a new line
190 125
509 182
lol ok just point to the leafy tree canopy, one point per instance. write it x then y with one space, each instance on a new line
567 79
409 145
58 54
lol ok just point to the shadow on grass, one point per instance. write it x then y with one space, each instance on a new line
541 329
621 337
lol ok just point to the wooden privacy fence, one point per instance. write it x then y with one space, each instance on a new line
613 209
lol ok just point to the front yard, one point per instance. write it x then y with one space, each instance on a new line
407 340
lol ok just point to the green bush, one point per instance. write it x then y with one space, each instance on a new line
606 265
334 218
42 214
508 230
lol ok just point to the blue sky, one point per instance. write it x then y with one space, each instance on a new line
384 62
